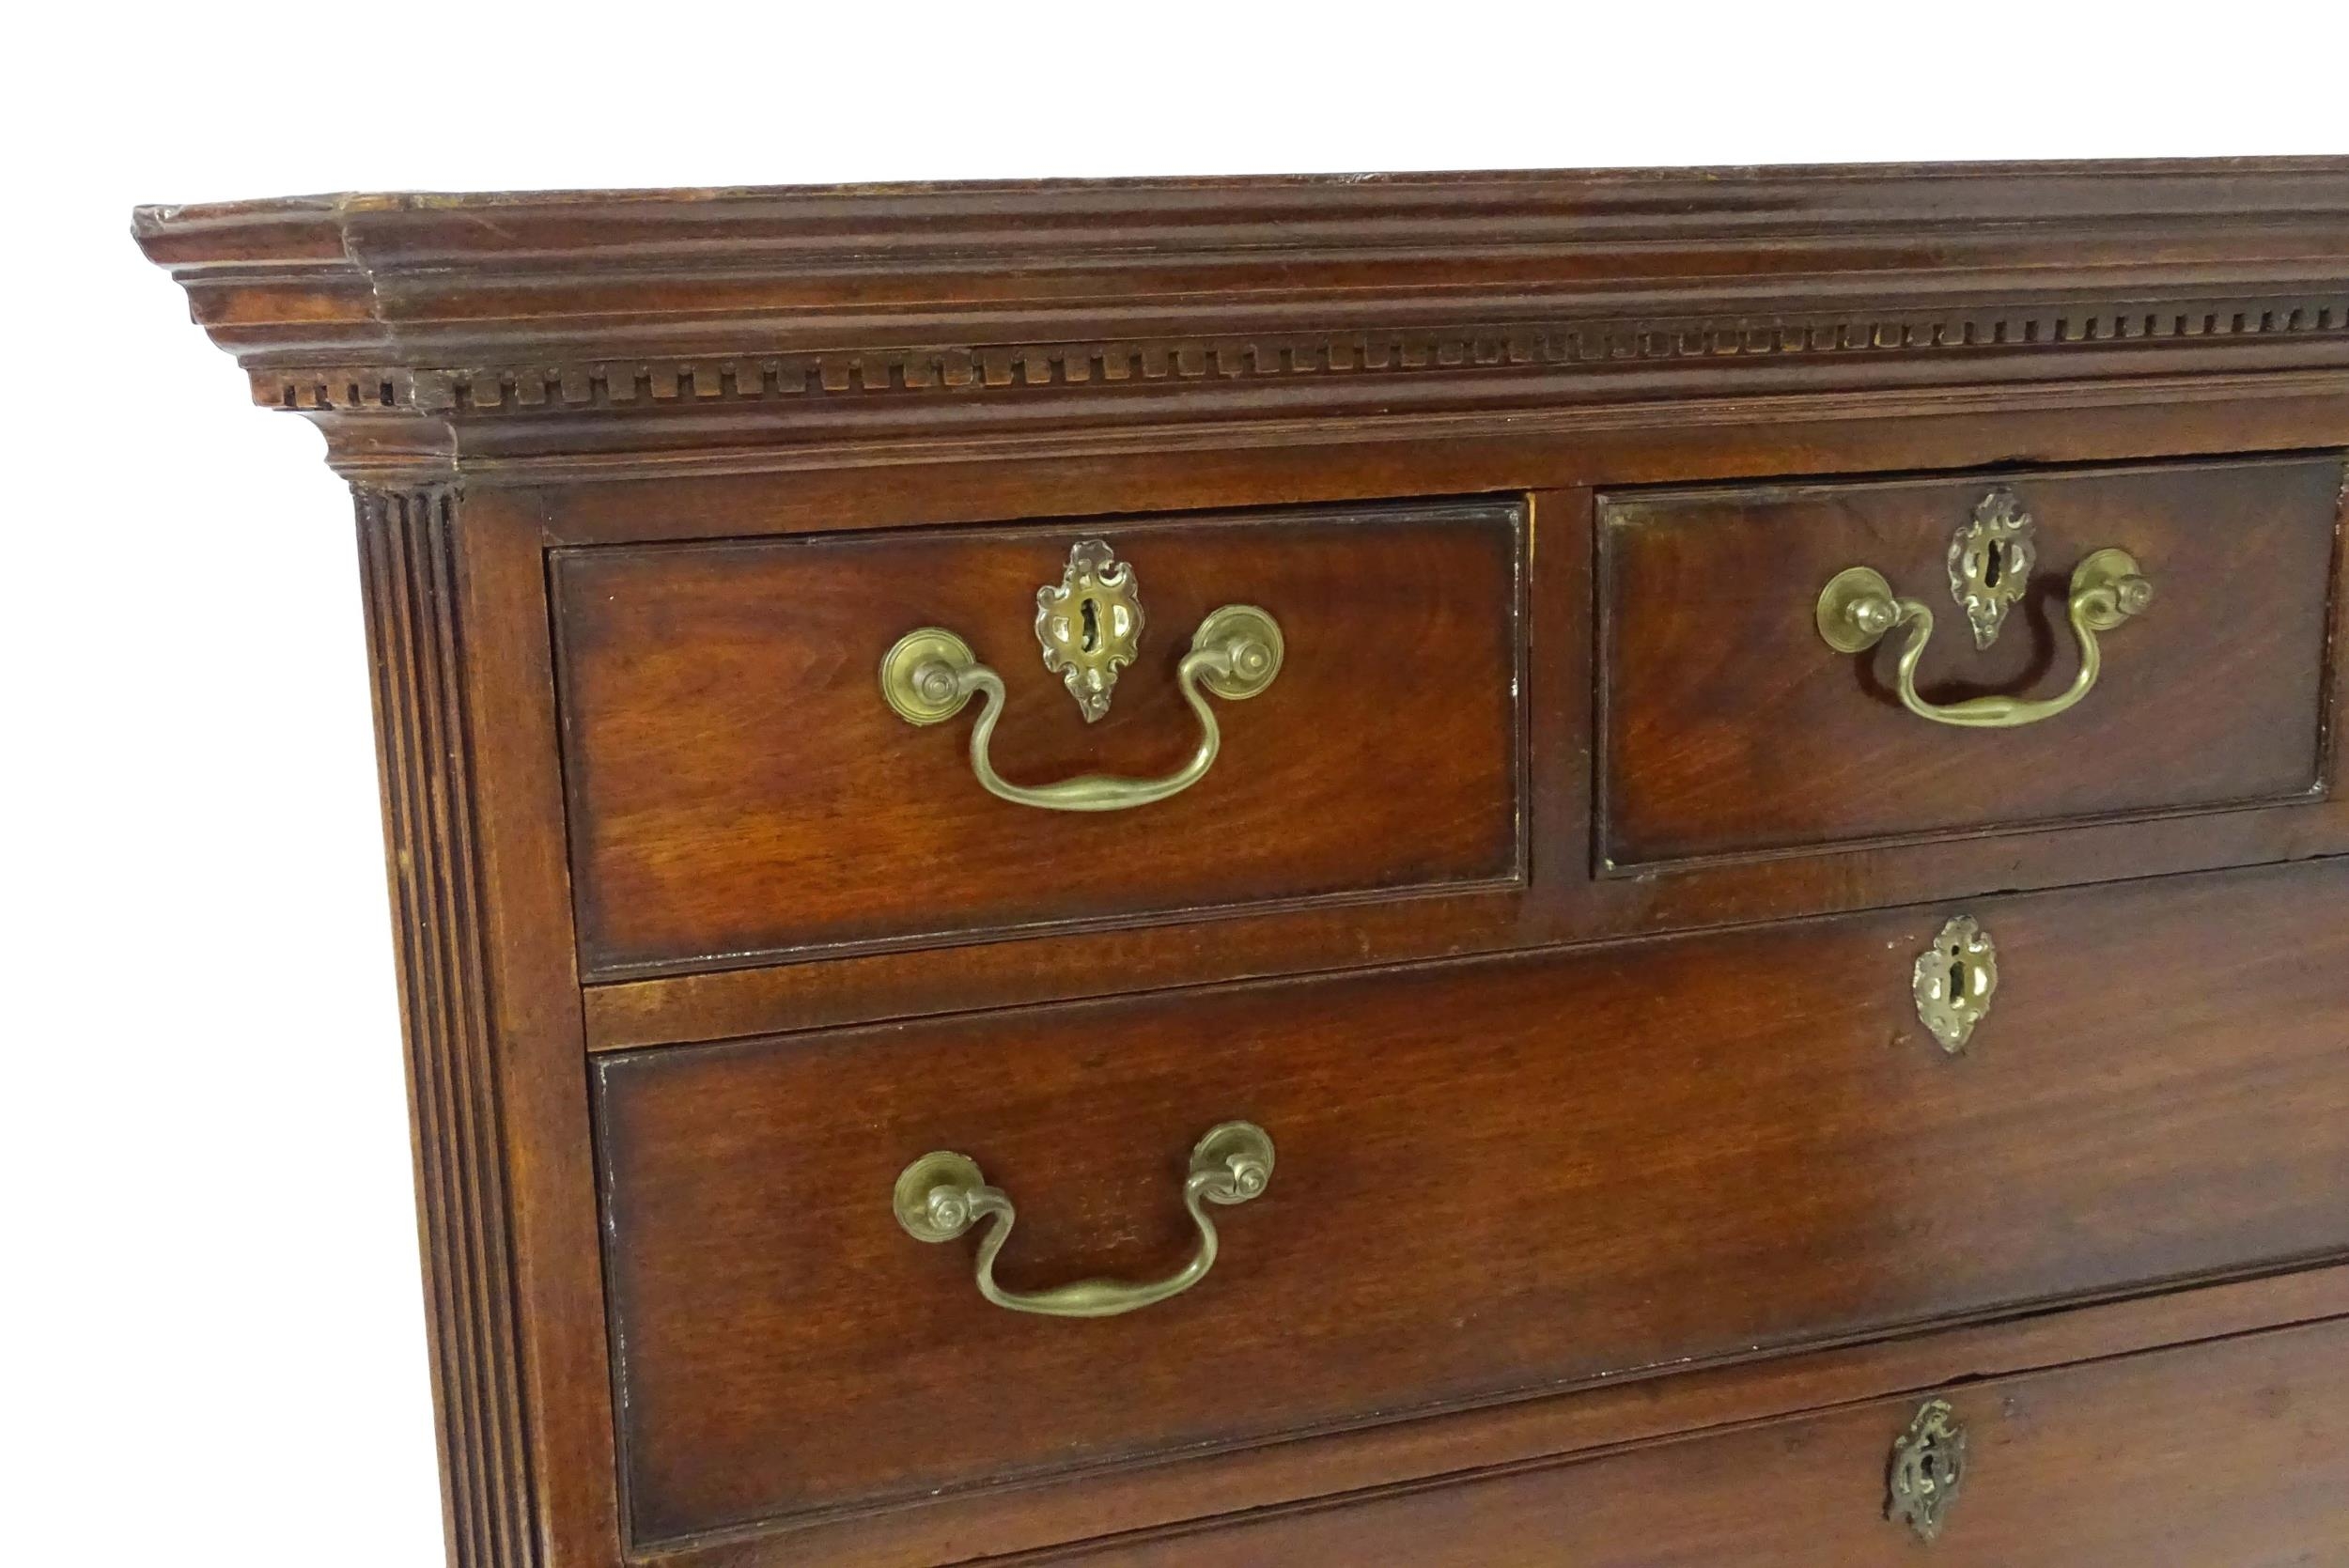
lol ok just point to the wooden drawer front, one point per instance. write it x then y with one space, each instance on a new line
739 788
2226 1455
1493 1178
1732 728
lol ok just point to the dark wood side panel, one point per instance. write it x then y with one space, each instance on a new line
2230 1453
739 788
454 594
1731 728
1496 1178
489 1491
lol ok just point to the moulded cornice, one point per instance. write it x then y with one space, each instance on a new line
1278 298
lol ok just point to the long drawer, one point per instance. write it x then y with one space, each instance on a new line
1487 1178
2228 1455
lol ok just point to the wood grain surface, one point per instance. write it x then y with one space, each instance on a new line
1731 727
1493 1178
738 788
1570 1197
2230 1453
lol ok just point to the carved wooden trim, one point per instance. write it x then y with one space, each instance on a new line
649 384
408 569
948 308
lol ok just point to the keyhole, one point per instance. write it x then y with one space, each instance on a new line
1958 977
1993 564
1092 638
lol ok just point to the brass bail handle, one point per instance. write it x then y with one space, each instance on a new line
1858 608
1089 625
943 1194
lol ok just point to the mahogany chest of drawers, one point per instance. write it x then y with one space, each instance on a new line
1620 869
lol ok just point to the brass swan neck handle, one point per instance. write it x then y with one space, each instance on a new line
930 674
1858 609
942 1195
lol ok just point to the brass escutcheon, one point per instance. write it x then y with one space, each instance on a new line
1927 1469
1954 980
1990 563
1090 623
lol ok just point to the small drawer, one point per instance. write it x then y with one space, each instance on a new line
1485 1178
2226 1454
1734 728
743 787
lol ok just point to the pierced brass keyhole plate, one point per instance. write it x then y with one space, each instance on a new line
1954 980
1990 563
1090 623
1927 1469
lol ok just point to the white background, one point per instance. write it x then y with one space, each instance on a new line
208 1267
